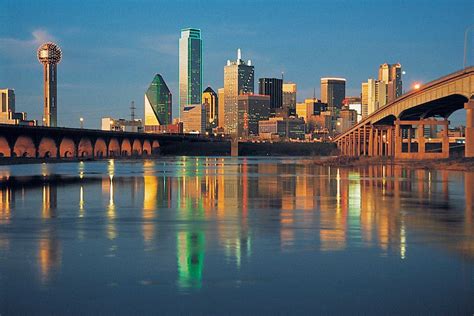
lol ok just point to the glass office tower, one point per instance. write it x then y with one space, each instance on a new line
157 104
190 68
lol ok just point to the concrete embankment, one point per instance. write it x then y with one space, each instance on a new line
249 149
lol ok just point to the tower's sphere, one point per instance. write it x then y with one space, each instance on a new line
49 53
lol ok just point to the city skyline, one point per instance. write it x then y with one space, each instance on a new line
82 92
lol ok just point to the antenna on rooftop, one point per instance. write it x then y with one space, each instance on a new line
132 111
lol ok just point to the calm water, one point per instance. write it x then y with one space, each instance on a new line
234 235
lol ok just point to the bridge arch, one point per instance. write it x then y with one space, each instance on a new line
114 147
137 147
146 147
24 147
85 149
441 107
100 148
126 148
47 148
4 147
67 148
388 120
155 147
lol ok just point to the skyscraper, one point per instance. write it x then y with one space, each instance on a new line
333 92
7 100
376 95
273 88
210 99
364 100
7 106
238 79
194 118
190 68
158 105
49 54
391 75
220 108
252 109
289 97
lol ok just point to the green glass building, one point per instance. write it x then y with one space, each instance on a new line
190 68
158 104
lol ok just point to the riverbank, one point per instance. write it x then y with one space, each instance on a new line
455 164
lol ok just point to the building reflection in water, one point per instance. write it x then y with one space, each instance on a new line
108 189
150 198
225 203
49 249
7 203
7 198
190 253
190 242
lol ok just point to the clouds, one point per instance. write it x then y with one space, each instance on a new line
19 51
13 46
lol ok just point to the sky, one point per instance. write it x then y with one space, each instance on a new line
113 49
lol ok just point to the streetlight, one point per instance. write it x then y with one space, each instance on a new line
416 85
82 122
465 44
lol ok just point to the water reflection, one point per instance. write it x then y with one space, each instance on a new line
49 248
213 208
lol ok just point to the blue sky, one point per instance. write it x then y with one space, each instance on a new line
112 49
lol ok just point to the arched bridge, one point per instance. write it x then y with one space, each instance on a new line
399 128
49 142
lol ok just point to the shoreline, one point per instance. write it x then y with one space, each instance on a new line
453 164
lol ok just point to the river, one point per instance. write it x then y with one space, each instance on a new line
213 235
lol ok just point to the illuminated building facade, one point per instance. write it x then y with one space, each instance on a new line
364 99
391 75
292 128
194 119
211 102
190 68
238 79
158 104
289 98
310 107
354 103
7 100
121 125
7 110
376 95
220 108
333 91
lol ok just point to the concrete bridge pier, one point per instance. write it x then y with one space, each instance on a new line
371 141
420 140
234 147
469 149
364 141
